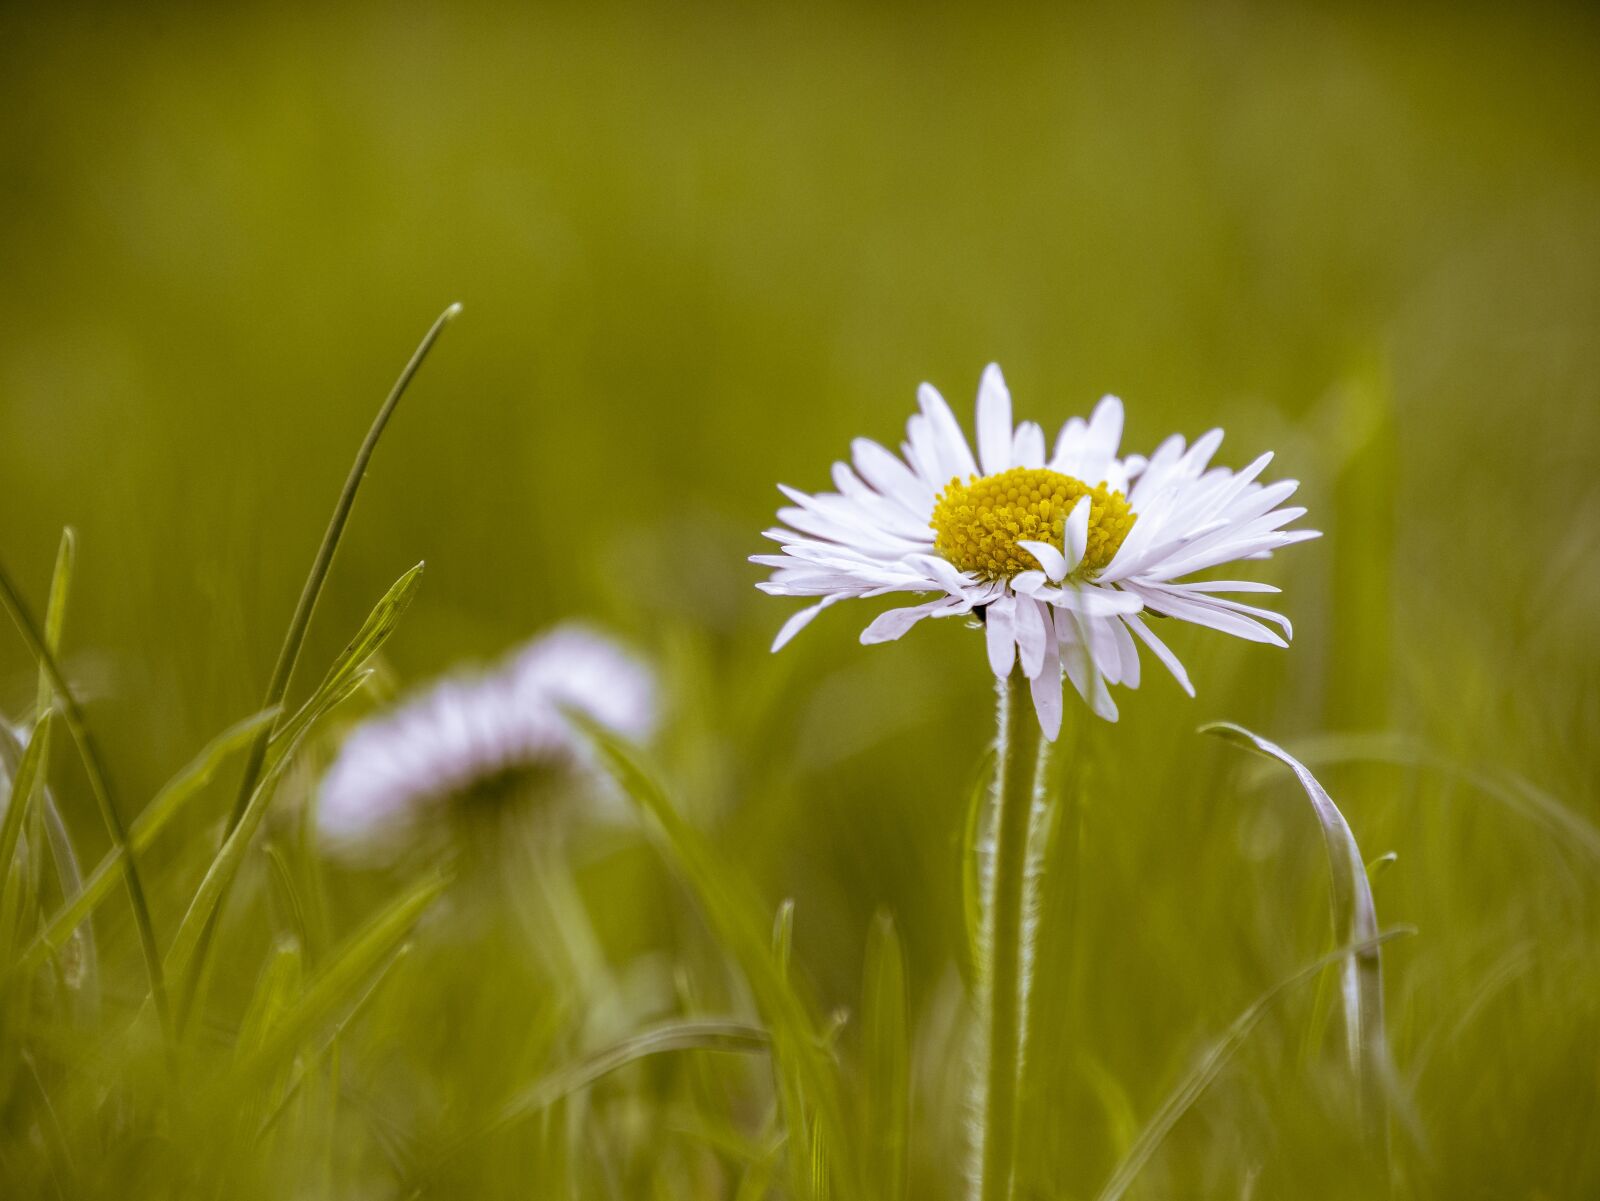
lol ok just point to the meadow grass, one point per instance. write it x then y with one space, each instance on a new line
699 252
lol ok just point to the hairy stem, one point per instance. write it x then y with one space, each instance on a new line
1017 764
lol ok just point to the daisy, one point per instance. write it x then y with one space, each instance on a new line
471 733
1062 552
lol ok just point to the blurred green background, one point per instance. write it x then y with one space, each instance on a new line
702 247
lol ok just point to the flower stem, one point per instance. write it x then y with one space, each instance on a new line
1017 764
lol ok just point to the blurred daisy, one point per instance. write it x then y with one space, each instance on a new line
475 733
1059 551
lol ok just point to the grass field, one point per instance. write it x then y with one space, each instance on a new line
698 251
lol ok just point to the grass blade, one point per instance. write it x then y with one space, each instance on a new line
886 1059
805 1073
168 803
72 714
184 957
1211 1062
21 790
380 623
348 968
300 623
697 1034
1355 921
294 640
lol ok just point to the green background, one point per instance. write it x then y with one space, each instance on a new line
700 248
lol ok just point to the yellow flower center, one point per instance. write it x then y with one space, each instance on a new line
977 525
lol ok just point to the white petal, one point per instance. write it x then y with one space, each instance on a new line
1033 630
999 628
1092 601
891 477
1027 445
1078 659
888 626
1161 651
994 422
1210 612
1028 582
1055 566
799 622
1105 428
1046 689
954 453
1076 534
1127 653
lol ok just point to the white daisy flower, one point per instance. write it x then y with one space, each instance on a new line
1059 552
471 731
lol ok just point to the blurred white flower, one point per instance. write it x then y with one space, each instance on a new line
1059 553
470 731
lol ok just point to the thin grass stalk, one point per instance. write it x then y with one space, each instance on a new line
72 715
48 818
55 612
1018 764
294 640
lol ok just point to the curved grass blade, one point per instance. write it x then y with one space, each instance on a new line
1213 1060
100 786
294 639
168 803
697 1034
886 1060
1569 827
1355 920
806 1079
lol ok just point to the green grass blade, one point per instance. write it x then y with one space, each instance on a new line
886 1059
100 786
21 790
783 935
166 805
300 622
348 968
1355 920
806 1074
275 990
185 959
1211 1062
55 616
696 1034
1570 829
380 623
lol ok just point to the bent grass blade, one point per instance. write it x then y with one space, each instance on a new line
1355 920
